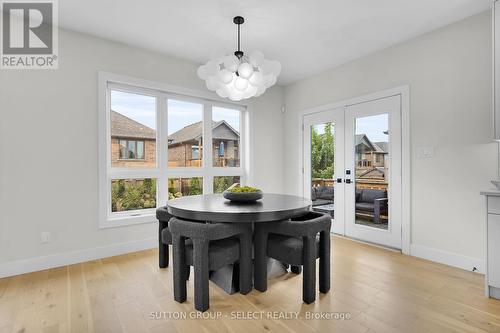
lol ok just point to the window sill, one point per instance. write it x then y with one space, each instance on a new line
128 220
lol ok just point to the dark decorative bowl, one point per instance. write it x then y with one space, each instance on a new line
242 196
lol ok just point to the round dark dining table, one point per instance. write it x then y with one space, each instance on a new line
215 208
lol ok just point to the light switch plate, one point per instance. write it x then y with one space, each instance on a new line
45 237
425 152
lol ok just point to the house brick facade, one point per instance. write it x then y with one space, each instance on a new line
149 160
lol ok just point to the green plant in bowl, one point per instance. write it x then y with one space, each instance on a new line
243 194
244 189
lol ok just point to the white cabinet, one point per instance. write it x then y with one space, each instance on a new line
496 69
492 278
494 250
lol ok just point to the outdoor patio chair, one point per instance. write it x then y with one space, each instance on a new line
295 242
372 202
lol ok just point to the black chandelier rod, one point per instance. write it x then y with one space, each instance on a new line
238 20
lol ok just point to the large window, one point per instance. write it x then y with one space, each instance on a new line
157 146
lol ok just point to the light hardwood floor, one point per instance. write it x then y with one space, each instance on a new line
382 291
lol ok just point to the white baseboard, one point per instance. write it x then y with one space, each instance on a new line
448 258
23 266
62 259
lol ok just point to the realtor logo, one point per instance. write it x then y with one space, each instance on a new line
29 34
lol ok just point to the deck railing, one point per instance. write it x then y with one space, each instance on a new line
361 183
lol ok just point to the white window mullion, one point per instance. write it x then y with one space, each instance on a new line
207 149
245 151
162 149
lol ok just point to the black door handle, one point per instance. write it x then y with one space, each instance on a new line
339 180
348 181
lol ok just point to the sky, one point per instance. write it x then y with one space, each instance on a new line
373 126
141 108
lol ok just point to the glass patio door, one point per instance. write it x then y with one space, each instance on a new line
323 164
373 171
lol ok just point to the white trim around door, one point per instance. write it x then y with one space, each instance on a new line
404 92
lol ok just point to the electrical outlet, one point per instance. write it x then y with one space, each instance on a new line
45 237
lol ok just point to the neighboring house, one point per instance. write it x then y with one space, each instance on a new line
185 145
371 158
132 144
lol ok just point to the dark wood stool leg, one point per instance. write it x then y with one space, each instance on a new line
163 248
324 261
179 254
200 259
296 269
260 259
309 276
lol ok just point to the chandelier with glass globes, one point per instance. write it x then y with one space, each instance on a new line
239 76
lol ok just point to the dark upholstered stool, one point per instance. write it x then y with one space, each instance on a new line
212 246
164 236
295 242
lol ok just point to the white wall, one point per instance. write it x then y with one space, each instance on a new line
48 141
449 73
268 146
48 150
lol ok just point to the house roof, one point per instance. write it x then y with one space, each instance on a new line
381 147
377 147
363 139
195 131
373 172
124 127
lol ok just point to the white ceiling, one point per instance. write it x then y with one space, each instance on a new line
307 37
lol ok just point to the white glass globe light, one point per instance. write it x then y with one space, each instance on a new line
231 63
212 68
240 83
223 91
225 76
256 58
275 67
239 75
266 67
260 91
245 70
202 72
256 79
250 91
212 83
269 80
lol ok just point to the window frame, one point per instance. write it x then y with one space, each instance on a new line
162 93
136 149
197 149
